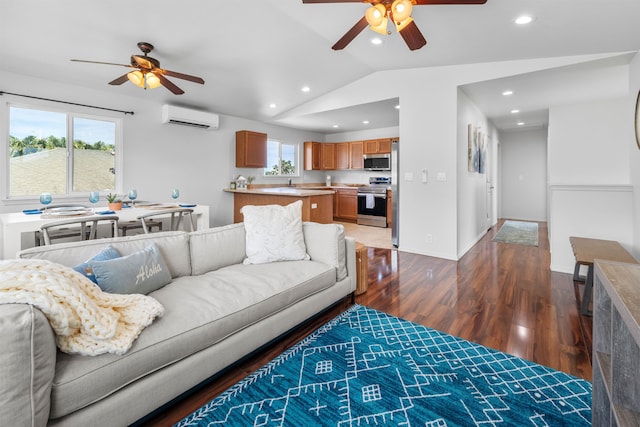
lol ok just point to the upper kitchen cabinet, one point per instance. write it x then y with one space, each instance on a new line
312 155
349 155
251 149
328 157
377 146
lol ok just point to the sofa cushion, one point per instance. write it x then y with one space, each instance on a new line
274 233
27 365
217 247
107 253
326 243
199 312
141 272
173 245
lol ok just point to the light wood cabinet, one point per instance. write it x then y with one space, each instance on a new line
356 151
312 155
343 155
616 345
346 204
251 149
377 146
328 156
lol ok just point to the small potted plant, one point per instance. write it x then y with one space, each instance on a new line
249 182
115 202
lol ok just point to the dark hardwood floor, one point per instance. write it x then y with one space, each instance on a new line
500 295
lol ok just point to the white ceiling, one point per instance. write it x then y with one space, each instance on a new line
257 52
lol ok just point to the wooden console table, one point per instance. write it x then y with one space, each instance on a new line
616 345
586 251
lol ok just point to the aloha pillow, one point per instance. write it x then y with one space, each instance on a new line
107 253
274 233
141 272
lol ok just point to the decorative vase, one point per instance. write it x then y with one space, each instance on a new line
249 186
116 206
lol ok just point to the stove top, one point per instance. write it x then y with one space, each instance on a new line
377 185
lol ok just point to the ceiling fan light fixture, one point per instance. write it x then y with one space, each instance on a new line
376 17
401 10
136 77
152 81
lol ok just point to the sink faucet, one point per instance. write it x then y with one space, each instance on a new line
289 182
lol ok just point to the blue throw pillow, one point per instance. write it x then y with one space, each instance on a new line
141 272
106 253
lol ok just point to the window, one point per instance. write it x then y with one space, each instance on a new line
41 159
281 159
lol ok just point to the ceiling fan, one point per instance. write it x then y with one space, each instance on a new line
398 11
147 73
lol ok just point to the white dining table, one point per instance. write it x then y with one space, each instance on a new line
13 225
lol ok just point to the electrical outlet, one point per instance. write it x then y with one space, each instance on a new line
429 238
314 206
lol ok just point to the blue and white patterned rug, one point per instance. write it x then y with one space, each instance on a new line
367 368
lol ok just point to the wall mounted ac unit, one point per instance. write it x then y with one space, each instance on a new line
187 117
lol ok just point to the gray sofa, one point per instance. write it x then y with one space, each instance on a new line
217 310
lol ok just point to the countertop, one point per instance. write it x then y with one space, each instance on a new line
283 191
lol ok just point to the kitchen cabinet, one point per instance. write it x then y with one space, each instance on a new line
377 146
328 156
349 155
616 344
251 149
346 204
343 155
312 155
356 151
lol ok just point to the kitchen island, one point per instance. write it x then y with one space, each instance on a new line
317 205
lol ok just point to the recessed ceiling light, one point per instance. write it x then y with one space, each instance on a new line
397 107
272 105
366 122
507 93
376 41
515 111
336 126
523 20
305 89
520 123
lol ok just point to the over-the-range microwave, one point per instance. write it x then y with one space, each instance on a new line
377 162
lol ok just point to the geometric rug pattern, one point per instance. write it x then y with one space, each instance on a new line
519 232
367 368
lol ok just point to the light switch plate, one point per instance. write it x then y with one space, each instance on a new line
442 176
408 176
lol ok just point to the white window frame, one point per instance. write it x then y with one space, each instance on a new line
71 113
296 156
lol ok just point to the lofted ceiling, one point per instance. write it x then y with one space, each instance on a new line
255 53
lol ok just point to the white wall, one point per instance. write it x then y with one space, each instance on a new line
158 157
474 207
589 176
523 175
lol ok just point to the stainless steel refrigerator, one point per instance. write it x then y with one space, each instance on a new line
395 190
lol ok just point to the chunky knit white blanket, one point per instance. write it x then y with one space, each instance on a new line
85 319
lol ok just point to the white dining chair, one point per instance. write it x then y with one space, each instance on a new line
176 219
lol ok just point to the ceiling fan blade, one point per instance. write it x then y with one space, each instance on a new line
351 34
169 85
420 2
412 36
104 63
123 78
183 76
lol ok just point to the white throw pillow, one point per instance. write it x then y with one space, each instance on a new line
274 233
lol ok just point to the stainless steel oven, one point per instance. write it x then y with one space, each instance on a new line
372 202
